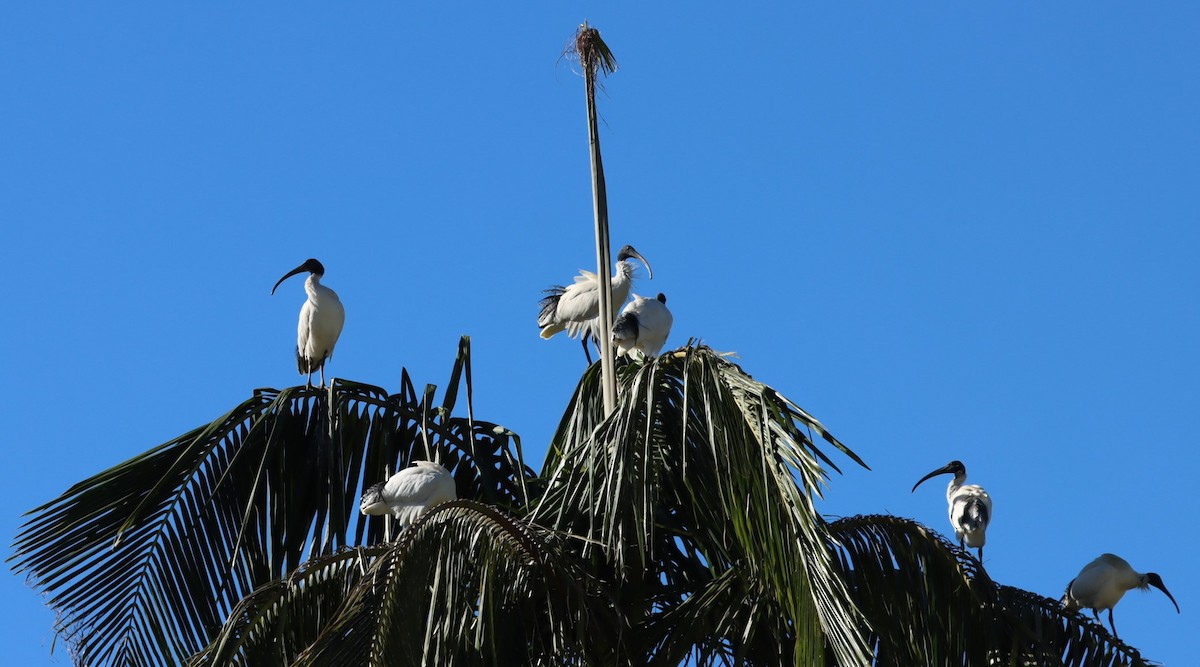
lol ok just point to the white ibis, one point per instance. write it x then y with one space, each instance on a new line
321 320
970 506
643 326
407 494
576 307
1102 583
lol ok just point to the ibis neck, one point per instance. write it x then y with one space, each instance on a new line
312 285
624 270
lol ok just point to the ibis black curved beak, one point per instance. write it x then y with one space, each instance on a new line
628 251
1157 582
940 471
310 265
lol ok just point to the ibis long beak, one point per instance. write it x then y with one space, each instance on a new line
637 254
1157 583
940 471
299 269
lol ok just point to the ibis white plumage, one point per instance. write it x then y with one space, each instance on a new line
1102 583
410 492
643 327
970 506
321 320
575 308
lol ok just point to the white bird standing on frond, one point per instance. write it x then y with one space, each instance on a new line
970 506
576 307
643 327
321 320
1102 583
410 492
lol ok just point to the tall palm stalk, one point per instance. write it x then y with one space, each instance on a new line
594 58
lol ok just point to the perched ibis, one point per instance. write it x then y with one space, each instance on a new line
970 506
575 308
1102 583
321 320
407 494
643 327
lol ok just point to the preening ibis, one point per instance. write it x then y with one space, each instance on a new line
407 494
970 506
576 308
1102 583
643 327
321 320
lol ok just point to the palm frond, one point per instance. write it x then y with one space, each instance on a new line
928 602
471 585
1043 633
143 561
278 621
701 471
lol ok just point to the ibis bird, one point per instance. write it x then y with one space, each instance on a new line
321 320
410 492
643 326
1102 583
970 506
575 308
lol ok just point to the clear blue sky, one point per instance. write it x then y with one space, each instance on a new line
948 230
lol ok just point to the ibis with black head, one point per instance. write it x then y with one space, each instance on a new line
643 327
575 308
410 493
970 506
321 320
1103 582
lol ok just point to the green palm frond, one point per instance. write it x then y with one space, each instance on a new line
1046 634
467 584
278 621
927 602
144 561
702 474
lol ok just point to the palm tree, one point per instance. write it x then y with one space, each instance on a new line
674 521
680 529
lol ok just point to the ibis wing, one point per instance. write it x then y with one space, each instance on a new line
548 306
655 321
412 490
303 336
409 486
625 330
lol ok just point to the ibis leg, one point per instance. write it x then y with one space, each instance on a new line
1110 622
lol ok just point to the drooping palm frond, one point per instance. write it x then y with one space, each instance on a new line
144 561
278 621
1043 633
701 483
467 584
927 602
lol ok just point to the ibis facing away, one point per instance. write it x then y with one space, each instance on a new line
643 327
575 308
1102 583
410 492
970 506
321 320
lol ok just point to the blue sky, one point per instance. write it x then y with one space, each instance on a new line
948 230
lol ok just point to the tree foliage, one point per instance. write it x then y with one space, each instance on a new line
680 529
